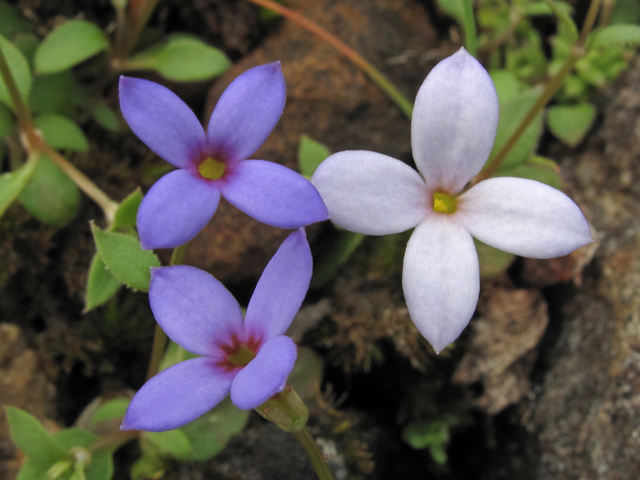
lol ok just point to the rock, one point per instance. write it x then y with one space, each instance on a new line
587 419
330 100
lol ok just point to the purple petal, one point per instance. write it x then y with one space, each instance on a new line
281 288
193 308
454 122
177 396
161 120
523 217
441 279
247 112
371 193
265 375
273 194
175 209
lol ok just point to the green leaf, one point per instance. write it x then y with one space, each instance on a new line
536 168
128 210
110 410
570 123
54 94
506 83
344 245
12 22
62 133
27 43
174 442
12 183
614 35
101 284
462 12
175 354
210 433
564 16
493 262
32 470
20 71
147 467
438 454
183 59
512 112
124 257
306 376
50 195
101 466
31 437
310 155
68 45
7 123
625 12
105 117
75 437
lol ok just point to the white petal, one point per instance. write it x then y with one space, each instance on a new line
523 217
454 122
441 279
371 193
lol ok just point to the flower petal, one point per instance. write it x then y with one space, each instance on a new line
441 279
523 217
161 120
247 111
281 288
193 308
175 209
371 193
273 194
454 122
177 395
265 375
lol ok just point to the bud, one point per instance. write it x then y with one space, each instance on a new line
286 409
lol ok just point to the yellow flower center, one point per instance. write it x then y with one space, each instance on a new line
444 203
211 169
242 357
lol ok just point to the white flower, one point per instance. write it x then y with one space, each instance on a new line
452 131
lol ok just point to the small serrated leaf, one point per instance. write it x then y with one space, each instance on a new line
101 284
68 45
62 133
124 257
31 437
310 154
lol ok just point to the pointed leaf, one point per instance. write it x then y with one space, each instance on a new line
68 45
614 35
536 168
20 71
62 133
111 409
128 210
12 183
101 284
183 59
570 123
106 117
32 470
124 257
31 437
310 155
173 442
50 195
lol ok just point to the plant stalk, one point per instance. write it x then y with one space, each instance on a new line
313 452
374 74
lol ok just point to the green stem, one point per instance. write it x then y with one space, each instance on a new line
577 52
374 74
159 337
470 32
22 112
113 440
313 452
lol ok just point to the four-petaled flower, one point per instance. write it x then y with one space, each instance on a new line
452 132
250 359
209 165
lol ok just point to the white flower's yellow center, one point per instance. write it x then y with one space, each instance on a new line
211 169
444 203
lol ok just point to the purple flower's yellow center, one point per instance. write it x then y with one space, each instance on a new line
211 169
242 356
444 203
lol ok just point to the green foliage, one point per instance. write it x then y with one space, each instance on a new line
183 59
68 45
50 195
340 251
614 35
570 123
111 409
128 210
625 12
12 183
493 262
101 284
432 435
535 168
62 133
462 12
55 93
172 442
124 257
20 71
506 83
310 155
7 123
105 117
12 22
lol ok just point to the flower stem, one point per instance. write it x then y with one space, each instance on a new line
33 142
575 54
159 337
313 452
374 74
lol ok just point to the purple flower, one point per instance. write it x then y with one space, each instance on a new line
250 359
209 165
452 131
